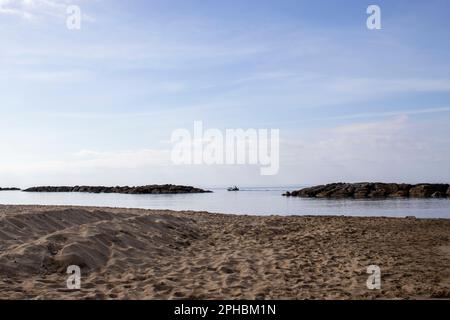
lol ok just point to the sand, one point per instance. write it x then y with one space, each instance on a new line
143 254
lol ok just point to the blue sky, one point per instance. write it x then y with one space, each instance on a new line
98 105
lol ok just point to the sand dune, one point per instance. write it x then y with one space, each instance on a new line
143 254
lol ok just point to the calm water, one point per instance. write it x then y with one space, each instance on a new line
254 201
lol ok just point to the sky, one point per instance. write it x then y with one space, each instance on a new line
98 105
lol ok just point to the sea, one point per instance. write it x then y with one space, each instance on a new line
248 201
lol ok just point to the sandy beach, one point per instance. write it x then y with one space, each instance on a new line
145 254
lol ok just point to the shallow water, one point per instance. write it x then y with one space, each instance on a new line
251 201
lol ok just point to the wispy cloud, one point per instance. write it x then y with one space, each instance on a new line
153 112
31 9
53 76
90 159
395 149
265 76
37 9
394 113
388 85
149 67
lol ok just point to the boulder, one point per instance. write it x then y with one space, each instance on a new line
361 190
378 193
426 190
402 191
438 194
421 191
400 194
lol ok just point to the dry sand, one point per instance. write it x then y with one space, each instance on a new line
143 254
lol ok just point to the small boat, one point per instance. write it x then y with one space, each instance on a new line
233 188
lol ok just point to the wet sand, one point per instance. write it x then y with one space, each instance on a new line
153 254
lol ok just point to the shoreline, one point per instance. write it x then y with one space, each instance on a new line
187 211
162 254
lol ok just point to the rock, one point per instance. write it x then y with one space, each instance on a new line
427 190
345 191
438 194
324 194
420 191
380 193
9 189
150 189
361 190
378 190
400 194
